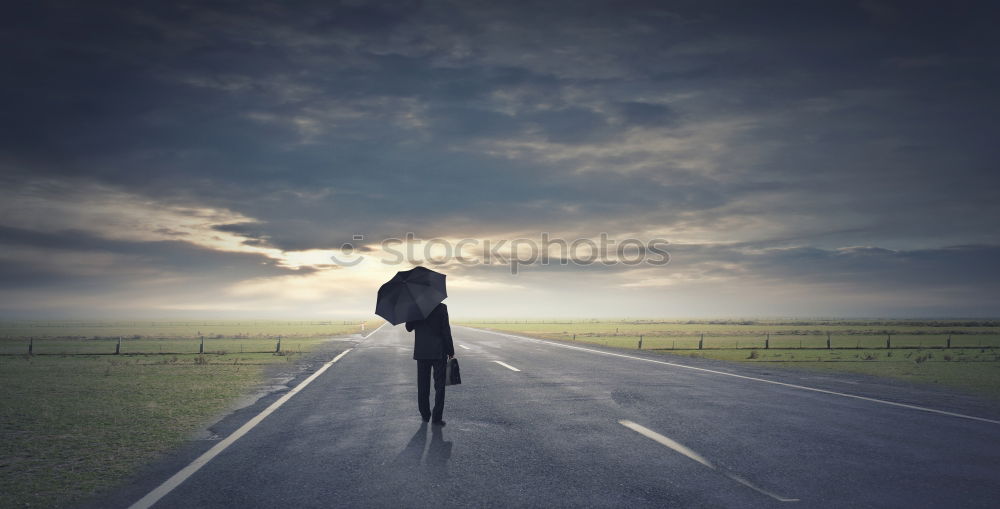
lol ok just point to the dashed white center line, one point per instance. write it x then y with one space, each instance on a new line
508 366
681 448
465 347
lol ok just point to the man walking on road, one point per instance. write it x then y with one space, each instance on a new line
432 348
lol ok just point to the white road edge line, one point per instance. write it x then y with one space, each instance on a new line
508 366
676 446
465 347
376 329
162 490
794 386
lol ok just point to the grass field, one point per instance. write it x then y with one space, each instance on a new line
107 346
918 350
746 327
70 425
174 329
67 337
975 370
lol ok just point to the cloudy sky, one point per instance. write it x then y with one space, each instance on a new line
208 158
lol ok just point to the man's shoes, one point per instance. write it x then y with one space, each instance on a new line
438 423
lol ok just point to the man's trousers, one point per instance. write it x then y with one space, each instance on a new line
424 367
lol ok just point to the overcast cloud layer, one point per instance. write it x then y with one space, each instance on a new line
802 158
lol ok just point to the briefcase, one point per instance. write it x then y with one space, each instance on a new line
451 374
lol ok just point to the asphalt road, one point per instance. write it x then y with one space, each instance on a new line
590 427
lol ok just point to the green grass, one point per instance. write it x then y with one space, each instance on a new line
971 369
106 346
77 329
744 327
71 425
972 364
65 337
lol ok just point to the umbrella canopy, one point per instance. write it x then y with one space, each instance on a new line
410 295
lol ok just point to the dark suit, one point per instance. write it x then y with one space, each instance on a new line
431 347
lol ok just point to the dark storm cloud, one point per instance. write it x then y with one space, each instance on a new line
571 125
647 115
61 259
947 267
460 122
807 125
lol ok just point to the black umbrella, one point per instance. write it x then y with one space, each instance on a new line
410 295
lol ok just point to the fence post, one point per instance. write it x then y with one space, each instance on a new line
640 341
118 346
201 346
767 341
827 340
949 341
277 348
701 342
888 341
31 345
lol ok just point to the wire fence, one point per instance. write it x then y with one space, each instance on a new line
796 342
168 337
277 344
124 346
